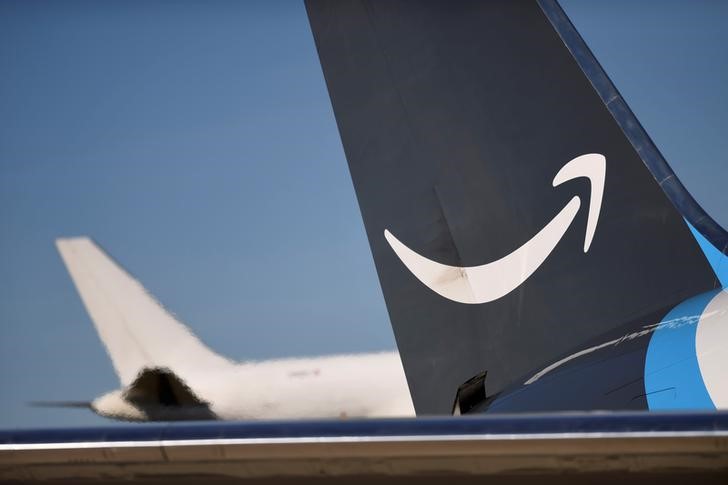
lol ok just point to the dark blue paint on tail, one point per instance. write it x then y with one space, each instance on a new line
633 130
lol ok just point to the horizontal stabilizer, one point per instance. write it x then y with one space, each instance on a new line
160 387
61 404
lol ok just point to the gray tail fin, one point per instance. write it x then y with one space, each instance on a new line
514 206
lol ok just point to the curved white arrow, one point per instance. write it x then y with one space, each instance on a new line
488 282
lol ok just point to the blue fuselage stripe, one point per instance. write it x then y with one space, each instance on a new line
672 374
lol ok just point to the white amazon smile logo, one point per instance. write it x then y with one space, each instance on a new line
490 281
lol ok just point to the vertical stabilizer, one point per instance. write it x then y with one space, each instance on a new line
513 206
137 331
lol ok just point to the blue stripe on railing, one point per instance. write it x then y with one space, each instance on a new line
510 425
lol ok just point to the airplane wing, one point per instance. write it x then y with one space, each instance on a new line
537 449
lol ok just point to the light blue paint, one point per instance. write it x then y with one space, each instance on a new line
672 374
718 261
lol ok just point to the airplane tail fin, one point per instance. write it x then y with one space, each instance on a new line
514 206
137 331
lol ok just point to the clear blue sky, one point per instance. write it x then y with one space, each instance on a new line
195 141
